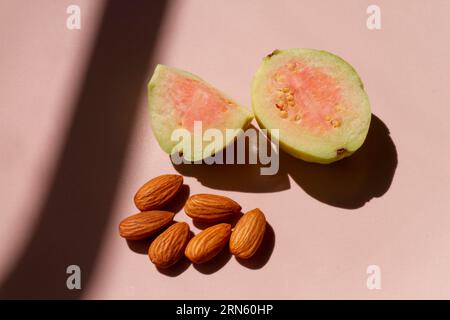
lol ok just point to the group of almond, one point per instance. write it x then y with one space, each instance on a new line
169 246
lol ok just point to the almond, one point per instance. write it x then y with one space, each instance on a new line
169 246
248 234
208 243
211 208
144 224
156 193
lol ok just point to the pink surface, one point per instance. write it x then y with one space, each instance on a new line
324 240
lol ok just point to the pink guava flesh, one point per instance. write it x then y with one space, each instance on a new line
195 101
307 94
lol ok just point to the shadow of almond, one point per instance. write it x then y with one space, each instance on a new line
262 256
140 246
203 225
177 204
216 263
177 269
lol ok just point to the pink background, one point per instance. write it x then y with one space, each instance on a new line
389 206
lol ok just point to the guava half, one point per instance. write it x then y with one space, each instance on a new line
315 99
179 100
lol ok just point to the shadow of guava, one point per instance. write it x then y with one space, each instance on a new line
348 183
353 181
246 177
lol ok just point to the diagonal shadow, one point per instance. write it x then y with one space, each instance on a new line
74 215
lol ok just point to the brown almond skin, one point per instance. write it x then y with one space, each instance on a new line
158 192
248 234
211 208
208 243
142 225
169 246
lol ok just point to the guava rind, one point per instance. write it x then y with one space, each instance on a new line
171 105
303 139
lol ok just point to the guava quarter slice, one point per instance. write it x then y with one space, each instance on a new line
182 104
315 99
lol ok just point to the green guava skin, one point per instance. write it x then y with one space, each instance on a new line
177 98
332 143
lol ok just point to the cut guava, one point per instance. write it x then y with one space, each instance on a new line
180 100
315 99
